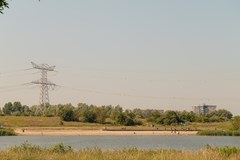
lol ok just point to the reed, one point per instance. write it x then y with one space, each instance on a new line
219 133
7 132
61 152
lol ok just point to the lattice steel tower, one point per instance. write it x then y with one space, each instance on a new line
44 83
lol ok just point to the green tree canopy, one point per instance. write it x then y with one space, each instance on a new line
3 4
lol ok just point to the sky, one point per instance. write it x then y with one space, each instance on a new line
169 55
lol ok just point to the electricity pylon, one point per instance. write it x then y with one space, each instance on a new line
44 83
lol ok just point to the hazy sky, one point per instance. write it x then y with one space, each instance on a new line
136 53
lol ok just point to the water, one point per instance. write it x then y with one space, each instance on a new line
124 142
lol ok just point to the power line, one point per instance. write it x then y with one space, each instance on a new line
16 89
11 86
15 71
17 75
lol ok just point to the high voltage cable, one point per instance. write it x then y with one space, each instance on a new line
15 71
130 95
14 86
18 75
150 97
16 89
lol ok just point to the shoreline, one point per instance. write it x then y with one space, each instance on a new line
76 132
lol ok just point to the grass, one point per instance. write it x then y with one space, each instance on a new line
211 126
29 121
34 122
218 133
7 132
61 152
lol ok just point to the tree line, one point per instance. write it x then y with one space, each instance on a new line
114 114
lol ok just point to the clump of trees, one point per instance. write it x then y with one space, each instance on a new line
16 109
115 114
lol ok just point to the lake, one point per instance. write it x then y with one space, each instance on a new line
123 142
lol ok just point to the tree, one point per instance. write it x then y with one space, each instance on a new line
100 114
121 119
171 117
221 113
187 116
66 113
7 109
90 117
3 4
155 117
116 111
236 123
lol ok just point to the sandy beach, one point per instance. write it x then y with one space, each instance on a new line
76 132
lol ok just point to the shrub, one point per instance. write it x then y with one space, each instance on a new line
26 147
218 133
60 148
7 132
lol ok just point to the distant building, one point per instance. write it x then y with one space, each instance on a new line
204 109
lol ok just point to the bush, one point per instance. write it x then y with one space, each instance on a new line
26 147
228 151
60 148
236 123
67 114
7 132
218 133
224 151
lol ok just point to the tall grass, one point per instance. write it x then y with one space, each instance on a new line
7 132
60 152
218 133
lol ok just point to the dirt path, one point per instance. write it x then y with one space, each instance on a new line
76 132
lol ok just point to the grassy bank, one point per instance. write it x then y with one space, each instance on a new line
218 133
60 152
34 123
7 132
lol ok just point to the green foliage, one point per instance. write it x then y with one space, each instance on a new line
115 114
66 113
121 119
221 114
187 116
226 151
7 132
60 148
7 109
26 147
236 123
218 133
60 152
171 118
3 4
90 116
16 109
127 119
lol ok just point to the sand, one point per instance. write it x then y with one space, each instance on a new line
76 132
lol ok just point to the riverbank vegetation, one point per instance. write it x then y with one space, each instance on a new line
233 130
61 152
7 132
115 114
218 133
91 117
